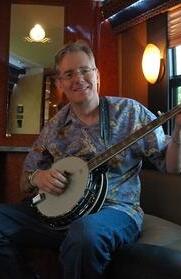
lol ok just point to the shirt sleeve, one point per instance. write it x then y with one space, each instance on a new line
39 156
152 146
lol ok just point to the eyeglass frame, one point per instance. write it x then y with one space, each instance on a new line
68 75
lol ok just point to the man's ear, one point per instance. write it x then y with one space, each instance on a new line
98 81
58 83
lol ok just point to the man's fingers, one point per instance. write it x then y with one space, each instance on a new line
59 176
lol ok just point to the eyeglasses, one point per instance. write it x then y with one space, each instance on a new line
84 71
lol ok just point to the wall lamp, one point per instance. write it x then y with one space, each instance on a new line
152 64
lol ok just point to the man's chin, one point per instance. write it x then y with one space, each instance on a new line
80 101
82 97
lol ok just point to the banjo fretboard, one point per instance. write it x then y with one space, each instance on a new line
104 157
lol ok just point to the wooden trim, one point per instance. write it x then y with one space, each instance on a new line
36 2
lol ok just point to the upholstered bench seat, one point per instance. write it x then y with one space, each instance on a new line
156 255
146 261
157 231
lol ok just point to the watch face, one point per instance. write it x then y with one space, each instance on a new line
30 176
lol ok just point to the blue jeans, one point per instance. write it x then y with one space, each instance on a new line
85 249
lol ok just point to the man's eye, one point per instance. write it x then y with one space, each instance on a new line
85 71
68 75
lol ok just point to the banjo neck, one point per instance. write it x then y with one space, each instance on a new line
105 156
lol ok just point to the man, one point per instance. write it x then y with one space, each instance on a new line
83 129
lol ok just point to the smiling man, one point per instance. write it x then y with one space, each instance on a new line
86 127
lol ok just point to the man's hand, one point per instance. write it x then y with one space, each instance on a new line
51 181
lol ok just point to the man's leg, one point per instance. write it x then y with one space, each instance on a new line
91 241
20 229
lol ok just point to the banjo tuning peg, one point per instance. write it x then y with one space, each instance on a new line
160 113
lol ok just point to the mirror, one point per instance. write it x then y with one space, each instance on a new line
30 66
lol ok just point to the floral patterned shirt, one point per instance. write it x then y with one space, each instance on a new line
65 135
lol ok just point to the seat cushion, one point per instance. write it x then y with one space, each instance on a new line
156 255
157 231
145 261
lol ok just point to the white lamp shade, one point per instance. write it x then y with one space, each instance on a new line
37 33
151 63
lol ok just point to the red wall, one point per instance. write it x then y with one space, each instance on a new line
134 84
86 21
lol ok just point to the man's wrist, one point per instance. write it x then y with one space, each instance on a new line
30 178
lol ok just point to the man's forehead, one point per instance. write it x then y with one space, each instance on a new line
75 60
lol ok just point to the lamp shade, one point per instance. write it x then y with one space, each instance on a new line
151 63
37 33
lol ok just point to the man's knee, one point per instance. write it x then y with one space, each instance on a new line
83 236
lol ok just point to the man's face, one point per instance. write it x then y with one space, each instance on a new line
79 78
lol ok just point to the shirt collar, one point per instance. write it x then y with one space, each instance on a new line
71 116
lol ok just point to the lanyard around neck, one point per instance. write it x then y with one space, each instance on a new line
104 120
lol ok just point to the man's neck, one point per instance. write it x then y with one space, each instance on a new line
87 113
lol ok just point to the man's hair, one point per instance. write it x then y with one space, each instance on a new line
69 48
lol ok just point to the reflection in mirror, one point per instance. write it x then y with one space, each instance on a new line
29 62
53 97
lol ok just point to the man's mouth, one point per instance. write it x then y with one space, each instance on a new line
80 89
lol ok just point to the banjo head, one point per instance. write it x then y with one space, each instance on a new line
55 206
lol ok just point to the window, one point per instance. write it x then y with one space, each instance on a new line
174 55
174 79
175 75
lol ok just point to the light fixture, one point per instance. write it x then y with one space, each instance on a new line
37 34
151 63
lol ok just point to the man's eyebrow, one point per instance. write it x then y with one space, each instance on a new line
72 70
68 71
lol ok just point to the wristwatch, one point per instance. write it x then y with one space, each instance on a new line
30 176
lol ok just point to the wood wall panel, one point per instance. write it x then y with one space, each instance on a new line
107 60
10 174
80 20
134 84
2 175
4 53
158 93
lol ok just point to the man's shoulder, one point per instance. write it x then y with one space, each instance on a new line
123 106
123 101
59 119
62 114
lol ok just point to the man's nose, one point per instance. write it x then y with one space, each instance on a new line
78 75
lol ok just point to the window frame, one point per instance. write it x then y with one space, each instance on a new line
174 82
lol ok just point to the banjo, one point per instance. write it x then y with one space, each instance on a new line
87 187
